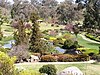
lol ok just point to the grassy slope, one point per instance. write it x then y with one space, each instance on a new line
87 44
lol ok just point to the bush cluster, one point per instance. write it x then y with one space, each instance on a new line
72 58
64 58
48 58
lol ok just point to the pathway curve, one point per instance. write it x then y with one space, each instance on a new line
87 39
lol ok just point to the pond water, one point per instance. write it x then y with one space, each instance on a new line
9 45
60 49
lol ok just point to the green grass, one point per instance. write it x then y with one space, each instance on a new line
6 39
87 44
7 29
87 69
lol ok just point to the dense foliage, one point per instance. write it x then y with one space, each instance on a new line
48 69
6 64
92 13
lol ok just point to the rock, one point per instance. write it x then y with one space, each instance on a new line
71 71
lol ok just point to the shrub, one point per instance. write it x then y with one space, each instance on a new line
83 57
58 41
68 43
4 50
67 36
66 58
6 64
48 69
48 58
72 58
20 51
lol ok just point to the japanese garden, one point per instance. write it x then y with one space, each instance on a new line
49 37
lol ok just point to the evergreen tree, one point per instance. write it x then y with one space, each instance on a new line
35 41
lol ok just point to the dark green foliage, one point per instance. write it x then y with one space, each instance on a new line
92 13
36 43
58 41
48 69
68 43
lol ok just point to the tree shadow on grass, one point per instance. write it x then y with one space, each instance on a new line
94 44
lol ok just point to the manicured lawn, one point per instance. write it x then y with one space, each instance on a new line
87 44
87 69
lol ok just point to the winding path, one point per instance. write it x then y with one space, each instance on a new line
88 39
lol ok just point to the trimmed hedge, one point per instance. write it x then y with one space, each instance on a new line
72 58
64 58
48 58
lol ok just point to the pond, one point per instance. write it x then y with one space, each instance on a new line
60 49
9 45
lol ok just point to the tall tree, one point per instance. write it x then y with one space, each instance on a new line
49 7
66 12
20 15
92 13
35 40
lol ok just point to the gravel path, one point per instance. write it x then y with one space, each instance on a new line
28 63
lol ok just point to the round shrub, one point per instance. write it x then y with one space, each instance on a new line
48 58
48 69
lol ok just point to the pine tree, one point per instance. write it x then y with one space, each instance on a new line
35 41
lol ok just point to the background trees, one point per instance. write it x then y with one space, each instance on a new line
92 13
66 12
